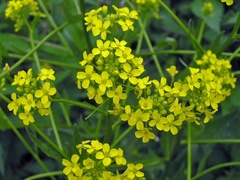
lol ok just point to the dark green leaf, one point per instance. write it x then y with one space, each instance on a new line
77 138
168 41
44 146
70 12
213 21
2 160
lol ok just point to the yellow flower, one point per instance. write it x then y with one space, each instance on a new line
138 118
86 76
130 74
22 78
160 85
101 28
45 92
88 163
26 117
146 104
71 166
172 71
228 2
14 104
133 171
116 94
145 134
102 48
170 124
124 54
87 58
95 94
46 74
103 81
106 154
28 102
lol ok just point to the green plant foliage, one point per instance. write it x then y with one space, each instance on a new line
120 90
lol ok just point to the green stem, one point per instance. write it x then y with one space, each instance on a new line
43 175
200 34
35 55
84 105
86 34
189 152
108 127
25 143
3 74
212 141
231 37
180 23
47 61
215 168
54 127
45 137
182 52
54 25
234 54
125 133
149 44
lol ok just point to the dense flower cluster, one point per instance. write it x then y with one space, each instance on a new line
228 2
149 6
207 8
113 72
102 23
33 94
18 10
108 66
94 160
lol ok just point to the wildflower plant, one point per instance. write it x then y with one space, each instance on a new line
118 91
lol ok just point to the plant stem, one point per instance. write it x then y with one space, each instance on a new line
45 137
61 64
56 132
232 37
125 133
54 25
42 175
149 44
215 168
86 34
25 143
4 73
35 55
189 152
84 105
211 141
180 23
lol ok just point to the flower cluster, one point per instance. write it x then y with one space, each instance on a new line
2 84
33 94
166 106
94 160
108 66
102 23
112 72
18 10
228 2
207 8
149 6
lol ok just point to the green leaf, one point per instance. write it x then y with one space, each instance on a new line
70 12
169 143
3 121
3 52
213 21
2 160
216 43
168 41
44 146
77 138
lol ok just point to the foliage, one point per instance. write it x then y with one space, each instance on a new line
119 89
